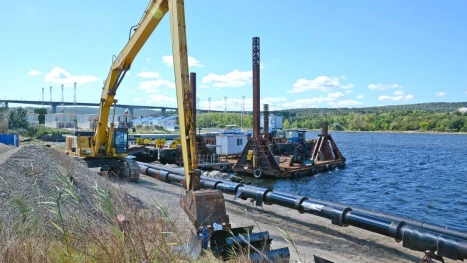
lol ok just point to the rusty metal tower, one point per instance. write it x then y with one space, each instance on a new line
257 158
266 119
256 88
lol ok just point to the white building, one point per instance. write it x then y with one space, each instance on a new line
121 121
275 122
463 109
229 144
33 118
87 121
59 120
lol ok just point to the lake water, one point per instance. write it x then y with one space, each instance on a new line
422 176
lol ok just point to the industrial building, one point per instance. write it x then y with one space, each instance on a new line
87 121
32 118
230 144
59 120
124 120
275 122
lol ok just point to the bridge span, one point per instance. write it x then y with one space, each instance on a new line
131 108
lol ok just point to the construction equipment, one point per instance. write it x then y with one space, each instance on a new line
108 145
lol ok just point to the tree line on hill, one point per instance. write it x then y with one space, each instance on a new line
438 117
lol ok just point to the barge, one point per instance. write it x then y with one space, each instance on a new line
261 158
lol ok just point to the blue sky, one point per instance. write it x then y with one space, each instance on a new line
355 53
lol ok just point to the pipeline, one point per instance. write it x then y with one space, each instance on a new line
415 235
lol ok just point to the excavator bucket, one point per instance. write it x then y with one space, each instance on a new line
205 207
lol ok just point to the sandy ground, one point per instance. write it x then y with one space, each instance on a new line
312 235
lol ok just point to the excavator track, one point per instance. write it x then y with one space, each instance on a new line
125 168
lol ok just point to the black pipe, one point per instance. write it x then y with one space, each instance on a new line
409 221
413 237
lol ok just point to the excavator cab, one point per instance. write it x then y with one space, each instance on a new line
120 140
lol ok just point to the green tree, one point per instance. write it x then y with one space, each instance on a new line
424 125
18 119
286 124
42 112
456 124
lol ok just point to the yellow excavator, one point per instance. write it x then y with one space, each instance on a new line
107 146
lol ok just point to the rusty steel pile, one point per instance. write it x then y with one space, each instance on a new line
414 234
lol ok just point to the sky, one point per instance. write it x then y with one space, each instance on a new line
314 54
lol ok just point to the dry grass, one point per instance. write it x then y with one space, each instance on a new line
147 236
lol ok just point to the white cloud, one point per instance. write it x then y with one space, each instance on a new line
232 79
153 86
344 77
331 100
396 98
148 59
204 86
399 92
148 74
441 94
360 97
322 83
335 94
34 72
60 76
380 86
192 62
348 91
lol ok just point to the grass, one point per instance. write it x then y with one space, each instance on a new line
146 235
142 237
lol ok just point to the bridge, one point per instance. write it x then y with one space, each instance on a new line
131 108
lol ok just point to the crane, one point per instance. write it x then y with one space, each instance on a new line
107 146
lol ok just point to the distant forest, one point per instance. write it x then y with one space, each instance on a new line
437 116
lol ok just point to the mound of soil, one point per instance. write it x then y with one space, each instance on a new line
31 179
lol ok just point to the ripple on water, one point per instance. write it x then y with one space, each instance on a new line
414 175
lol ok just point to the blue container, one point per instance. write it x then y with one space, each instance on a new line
10 139
204 237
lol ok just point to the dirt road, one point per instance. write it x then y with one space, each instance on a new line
312 235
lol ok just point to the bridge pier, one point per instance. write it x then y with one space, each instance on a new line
163 111
54 108
131 111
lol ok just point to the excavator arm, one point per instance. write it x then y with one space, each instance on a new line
204 207
153 14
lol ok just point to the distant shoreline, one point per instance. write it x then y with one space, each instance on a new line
420 132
